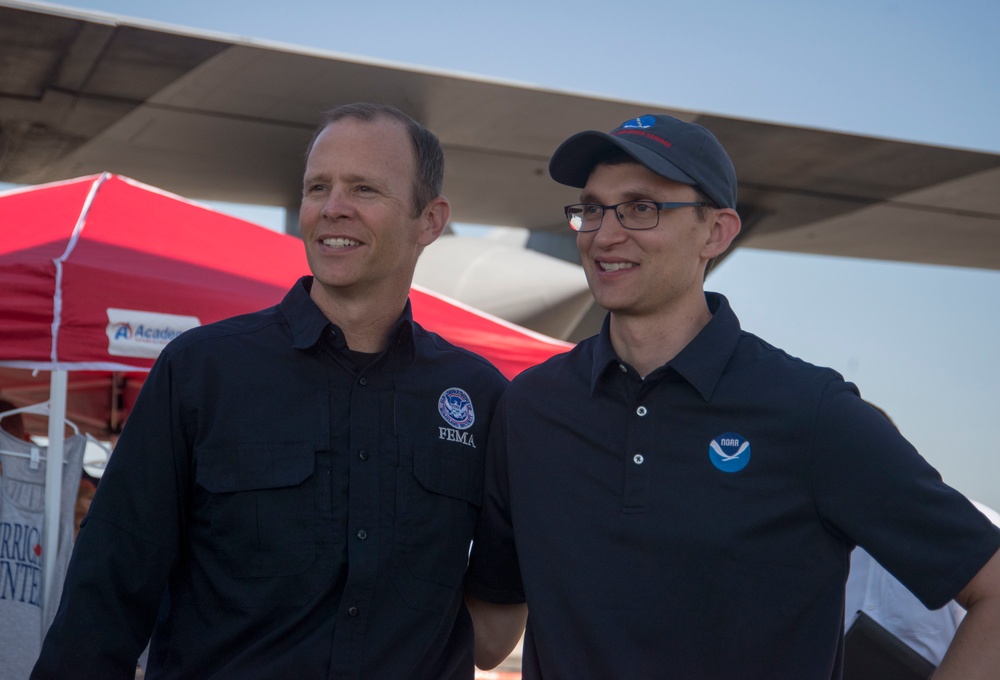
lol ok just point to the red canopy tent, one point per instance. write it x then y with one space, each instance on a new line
98 273
81 259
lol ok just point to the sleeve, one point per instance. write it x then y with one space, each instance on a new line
493 573
872 486
127 545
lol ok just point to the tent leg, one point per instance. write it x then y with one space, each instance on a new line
53 491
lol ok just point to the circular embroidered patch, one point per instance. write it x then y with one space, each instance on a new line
729 452
455 407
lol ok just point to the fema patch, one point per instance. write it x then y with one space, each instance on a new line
729 452
455 407
642 123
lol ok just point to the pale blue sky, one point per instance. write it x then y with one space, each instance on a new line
919 341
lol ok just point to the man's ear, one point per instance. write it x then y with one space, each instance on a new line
434 219
725 227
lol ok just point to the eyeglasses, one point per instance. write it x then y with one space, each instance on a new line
631 214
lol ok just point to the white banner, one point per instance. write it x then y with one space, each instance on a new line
133 333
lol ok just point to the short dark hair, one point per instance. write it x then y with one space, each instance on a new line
616 156
429 173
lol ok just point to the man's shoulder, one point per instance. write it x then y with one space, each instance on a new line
777 378
211 335
559 370
433 348
755 353
745 352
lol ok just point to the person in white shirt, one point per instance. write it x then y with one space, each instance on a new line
873 590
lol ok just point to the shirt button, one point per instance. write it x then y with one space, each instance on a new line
352 612
641 411
638 459
363 455
623 368
362 534
362 381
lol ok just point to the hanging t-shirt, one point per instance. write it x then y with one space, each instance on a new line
24 610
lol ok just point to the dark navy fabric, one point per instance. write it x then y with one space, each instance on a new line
699 523
279 512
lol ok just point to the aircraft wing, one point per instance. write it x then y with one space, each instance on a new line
217 117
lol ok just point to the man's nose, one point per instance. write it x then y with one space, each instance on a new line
337 204
611 229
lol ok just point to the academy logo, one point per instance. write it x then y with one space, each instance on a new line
729 452
455 407
120 331
136 333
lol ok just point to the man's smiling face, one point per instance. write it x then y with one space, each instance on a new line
640 273
356 216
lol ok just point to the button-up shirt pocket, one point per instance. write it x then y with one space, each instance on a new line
438 502
262 516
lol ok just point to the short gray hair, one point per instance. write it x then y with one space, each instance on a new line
429 176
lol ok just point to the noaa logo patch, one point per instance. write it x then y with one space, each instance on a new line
641 123
455 407
729 452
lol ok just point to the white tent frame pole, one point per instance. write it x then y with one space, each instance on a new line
53 485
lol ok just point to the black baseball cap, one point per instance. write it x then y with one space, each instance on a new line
683 152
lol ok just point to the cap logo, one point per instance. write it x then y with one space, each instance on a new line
639 126
643 133
729 452
455 407
641 122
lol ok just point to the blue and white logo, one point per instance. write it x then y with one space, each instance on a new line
729 452
455 407
138 333
121 331
641 123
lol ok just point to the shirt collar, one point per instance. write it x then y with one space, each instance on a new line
701 362
307 321
604 355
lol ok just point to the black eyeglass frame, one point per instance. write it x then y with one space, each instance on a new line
670 205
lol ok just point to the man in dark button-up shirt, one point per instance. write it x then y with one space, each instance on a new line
296 489
676 498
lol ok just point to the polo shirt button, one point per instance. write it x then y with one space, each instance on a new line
623 368
638 459
362 381
353 611
641 411
362 534
363 455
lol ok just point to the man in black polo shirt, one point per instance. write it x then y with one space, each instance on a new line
283 502
675 498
